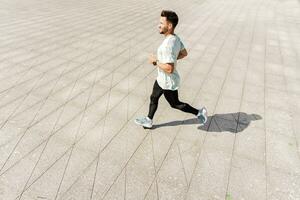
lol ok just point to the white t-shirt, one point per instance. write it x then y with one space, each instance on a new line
168 52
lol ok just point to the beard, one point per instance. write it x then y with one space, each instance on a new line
163 31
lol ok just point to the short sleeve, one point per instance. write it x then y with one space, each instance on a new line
181 46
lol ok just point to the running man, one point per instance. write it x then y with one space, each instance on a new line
168 80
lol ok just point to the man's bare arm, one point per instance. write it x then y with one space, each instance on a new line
183 53
167 67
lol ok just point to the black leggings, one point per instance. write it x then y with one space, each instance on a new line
172 97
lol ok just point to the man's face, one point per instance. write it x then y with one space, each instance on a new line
164 25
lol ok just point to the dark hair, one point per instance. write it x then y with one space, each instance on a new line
171 17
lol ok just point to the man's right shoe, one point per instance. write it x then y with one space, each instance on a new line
146 122
202 115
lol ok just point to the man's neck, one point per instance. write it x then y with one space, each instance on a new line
169 33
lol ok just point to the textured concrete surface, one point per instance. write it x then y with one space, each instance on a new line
74 76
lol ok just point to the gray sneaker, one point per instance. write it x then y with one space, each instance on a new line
146 122
202 115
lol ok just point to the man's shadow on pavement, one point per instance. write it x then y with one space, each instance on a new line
231 122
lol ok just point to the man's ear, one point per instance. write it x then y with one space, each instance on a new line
170 25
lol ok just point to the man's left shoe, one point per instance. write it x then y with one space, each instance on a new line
146 122
202 115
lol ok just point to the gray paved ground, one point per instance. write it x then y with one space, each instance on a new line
74 75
